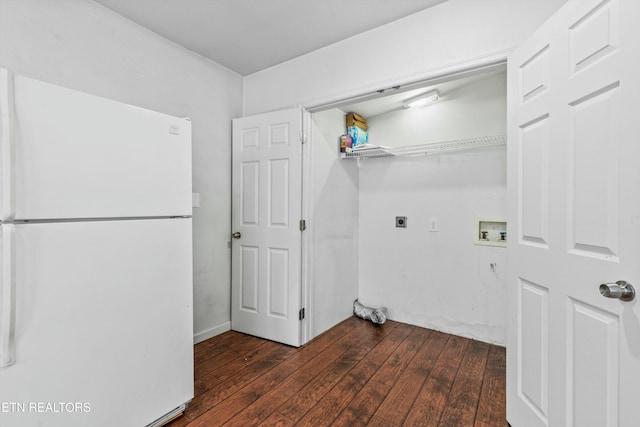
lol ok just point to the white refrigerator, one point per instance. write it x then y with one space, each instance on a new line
96 306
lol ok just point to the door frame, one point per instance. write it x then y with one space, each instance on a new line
306 255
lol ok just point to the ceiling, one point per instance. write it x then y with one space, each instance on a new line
246 36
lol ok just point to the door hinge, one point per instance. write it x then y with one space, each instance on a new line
303 138
303 225
301 314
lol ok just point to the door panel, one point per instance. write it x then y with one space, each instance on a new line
594 36
250 193
278 193
249 281
534 207
593 146
267 203
574 355
535 74
592 371
278 282
533 367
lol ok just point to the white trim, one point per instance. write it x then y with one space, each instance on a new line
211 332
307 248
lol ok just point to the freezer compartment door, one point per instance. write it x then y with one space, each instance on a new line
77 155
104 323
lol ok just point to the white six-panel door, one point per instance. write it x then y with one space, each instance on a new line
574 188
267 202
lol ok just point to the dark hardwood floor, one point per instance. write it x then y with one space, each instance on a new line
355 374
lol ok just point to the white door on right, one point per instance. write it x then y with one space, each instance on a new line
573 355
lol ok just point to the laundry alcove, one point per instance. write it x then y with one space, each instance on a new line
440 278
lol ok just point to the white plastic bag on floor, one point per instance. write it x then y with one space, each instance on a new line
376 316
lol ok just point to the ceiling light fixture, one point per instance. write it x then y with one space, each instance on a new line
422 99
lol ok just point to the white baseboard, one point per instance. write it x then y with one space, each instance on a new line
212 332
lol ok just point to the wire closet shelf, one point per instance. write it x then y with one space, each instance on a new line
429 149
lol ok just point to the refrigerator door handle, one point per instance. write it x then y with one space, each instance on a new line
7 339
7 109
7 212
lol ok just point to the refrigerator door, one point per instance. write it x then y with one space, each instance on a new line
104 328
77 155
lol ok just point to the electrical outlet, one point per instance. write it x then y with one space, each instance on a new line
433 224
401 221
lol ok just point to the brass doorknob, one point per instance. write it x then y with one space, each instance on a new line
236 235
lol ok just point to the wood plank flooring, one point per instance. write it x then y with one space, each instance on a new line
355 374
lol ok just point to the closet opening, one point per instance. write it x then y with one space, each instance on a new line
443 167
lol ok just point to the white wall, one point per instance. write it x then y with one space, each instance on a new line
440 280
418 46
333 225
81 45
